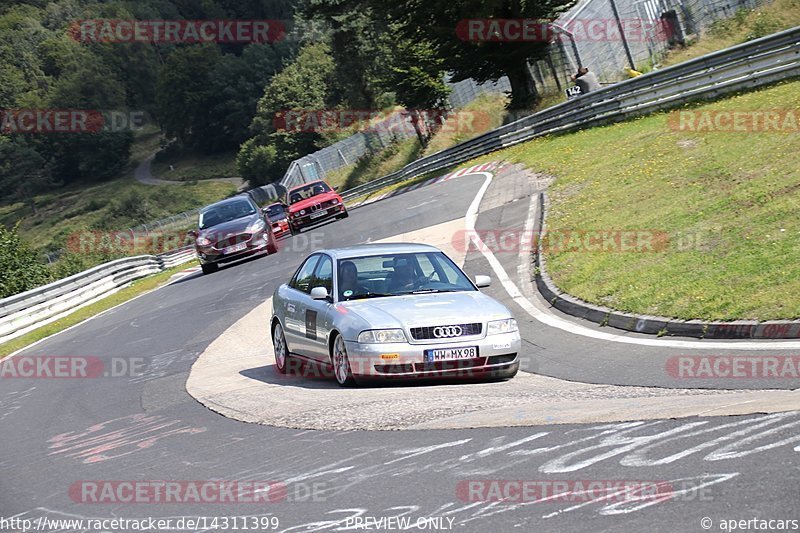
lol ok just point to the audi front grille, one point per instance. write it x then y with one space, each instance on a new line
446 332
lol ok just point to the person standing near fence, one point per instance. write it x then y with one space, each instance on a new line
586 80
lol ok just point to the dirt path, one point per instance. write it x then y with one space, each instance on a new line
144 174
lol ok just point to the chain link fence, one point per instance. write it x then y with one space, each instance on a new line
664 24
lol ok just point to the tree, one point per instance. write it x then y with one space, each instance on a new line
417 77
95 156
21 269
302 85
23 172
373 57
255 162
238 83
361 48
436 22
184 92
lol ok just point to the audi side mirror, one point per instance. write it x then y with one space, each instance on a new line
319 293
483 281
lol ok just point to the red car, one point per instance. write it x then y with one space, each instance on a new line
278 219
312 203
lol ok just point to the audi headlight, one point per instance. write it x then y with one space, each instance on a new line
495 327
203 241
381 336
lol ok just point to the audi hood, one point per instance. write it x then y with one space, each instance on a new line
414 310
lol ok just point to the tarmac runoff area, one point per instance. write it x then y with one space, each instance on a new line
236 377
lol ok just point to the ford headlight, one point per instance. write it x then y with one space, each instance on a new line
495 327
381 336
258 225
203 241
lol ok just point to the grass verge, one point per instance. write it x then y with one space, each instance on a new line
728 201
136 288
190 165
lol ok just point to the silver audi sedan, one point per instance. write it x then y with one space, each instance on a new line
391 311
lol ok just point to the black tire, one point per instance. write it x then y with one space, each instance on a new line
345 377
294 230
278 338
209 268
343 215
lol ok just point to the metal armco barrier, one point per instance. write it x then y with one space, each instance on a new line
37 307
745 66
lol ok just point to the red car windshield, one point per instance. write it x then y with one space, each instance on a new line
303 193
276 212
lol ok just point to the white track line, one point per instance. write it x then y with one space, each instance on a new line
547 318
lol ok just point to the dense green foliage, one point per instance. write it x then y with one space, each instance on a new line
20 268
204 96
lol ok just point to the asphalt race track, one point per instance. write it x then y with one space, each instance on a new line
61 436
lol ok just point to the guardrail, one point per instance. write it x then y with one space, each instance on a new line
745 66
176 257
37 307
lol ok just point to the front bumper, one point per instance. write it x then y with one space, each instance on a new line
258 242
299 222
279 231
405 360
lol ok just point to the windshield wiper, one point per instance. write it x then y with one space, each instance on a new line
370 295
431 291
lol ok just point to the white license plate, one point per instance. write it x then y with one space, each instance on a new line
319 213
450 354
276 230
235 248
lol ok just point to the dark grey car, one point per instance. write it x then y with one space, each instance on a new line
230 230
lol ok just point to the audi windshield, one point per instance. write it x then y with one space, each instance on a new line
399 274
